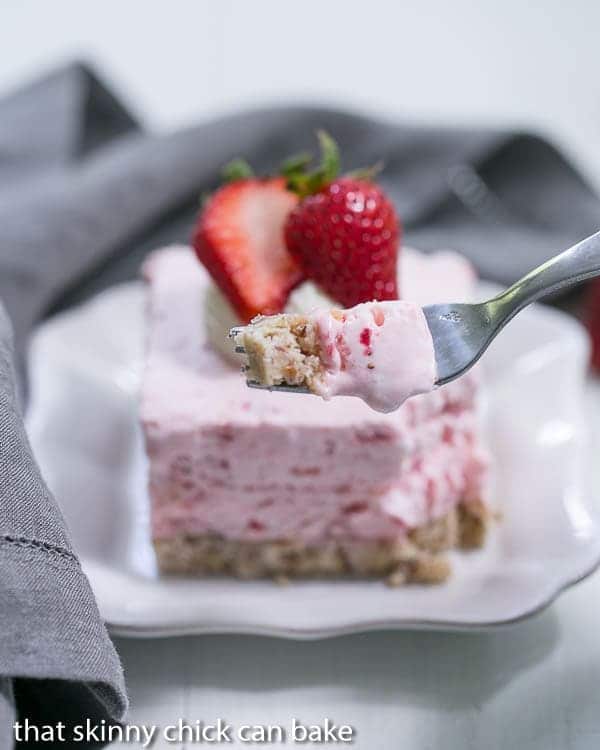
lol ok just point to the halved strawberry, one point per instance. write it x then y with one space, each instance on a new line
239 238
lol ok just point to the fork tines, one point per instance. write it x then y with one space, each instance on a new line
282 388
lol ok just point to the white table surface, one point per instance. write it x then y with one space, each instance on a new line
534 685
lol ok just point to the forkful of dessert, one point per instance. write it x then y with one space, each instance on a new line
387 351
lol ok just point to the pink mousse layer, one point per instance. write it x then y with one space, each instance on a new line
381 352
252 465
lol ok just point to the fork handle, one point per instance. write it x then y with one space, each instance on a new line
578 263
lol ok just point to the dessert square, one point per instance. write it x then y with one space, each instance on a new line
253 484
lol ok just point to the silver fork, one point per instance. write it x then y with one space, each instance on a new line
462 332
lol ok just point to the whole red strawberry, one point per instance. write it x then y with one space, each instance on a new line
344 233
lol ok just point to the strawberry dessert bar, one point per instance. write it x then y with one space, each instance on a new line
252 484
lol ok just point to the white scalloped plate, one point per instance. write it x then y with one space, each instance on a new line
85 368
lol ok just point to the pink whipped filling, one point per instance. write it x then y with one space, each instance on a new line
381 352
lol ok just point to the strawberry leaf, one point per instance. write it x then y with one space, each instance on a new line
296 164
330 157
237 169
366 173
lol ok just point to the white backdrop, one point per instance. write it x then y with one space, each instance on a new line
518 63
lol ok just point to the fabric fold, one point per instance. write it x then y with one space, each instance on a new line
50 627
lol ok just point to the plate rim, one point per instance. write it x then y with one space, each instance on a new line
324 633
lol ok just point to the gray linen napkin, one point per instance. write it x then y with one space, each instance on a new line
85 193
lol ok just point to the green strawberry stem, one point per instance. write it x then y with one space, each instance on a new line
330 159
366 173
295 164
237 169
304 183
